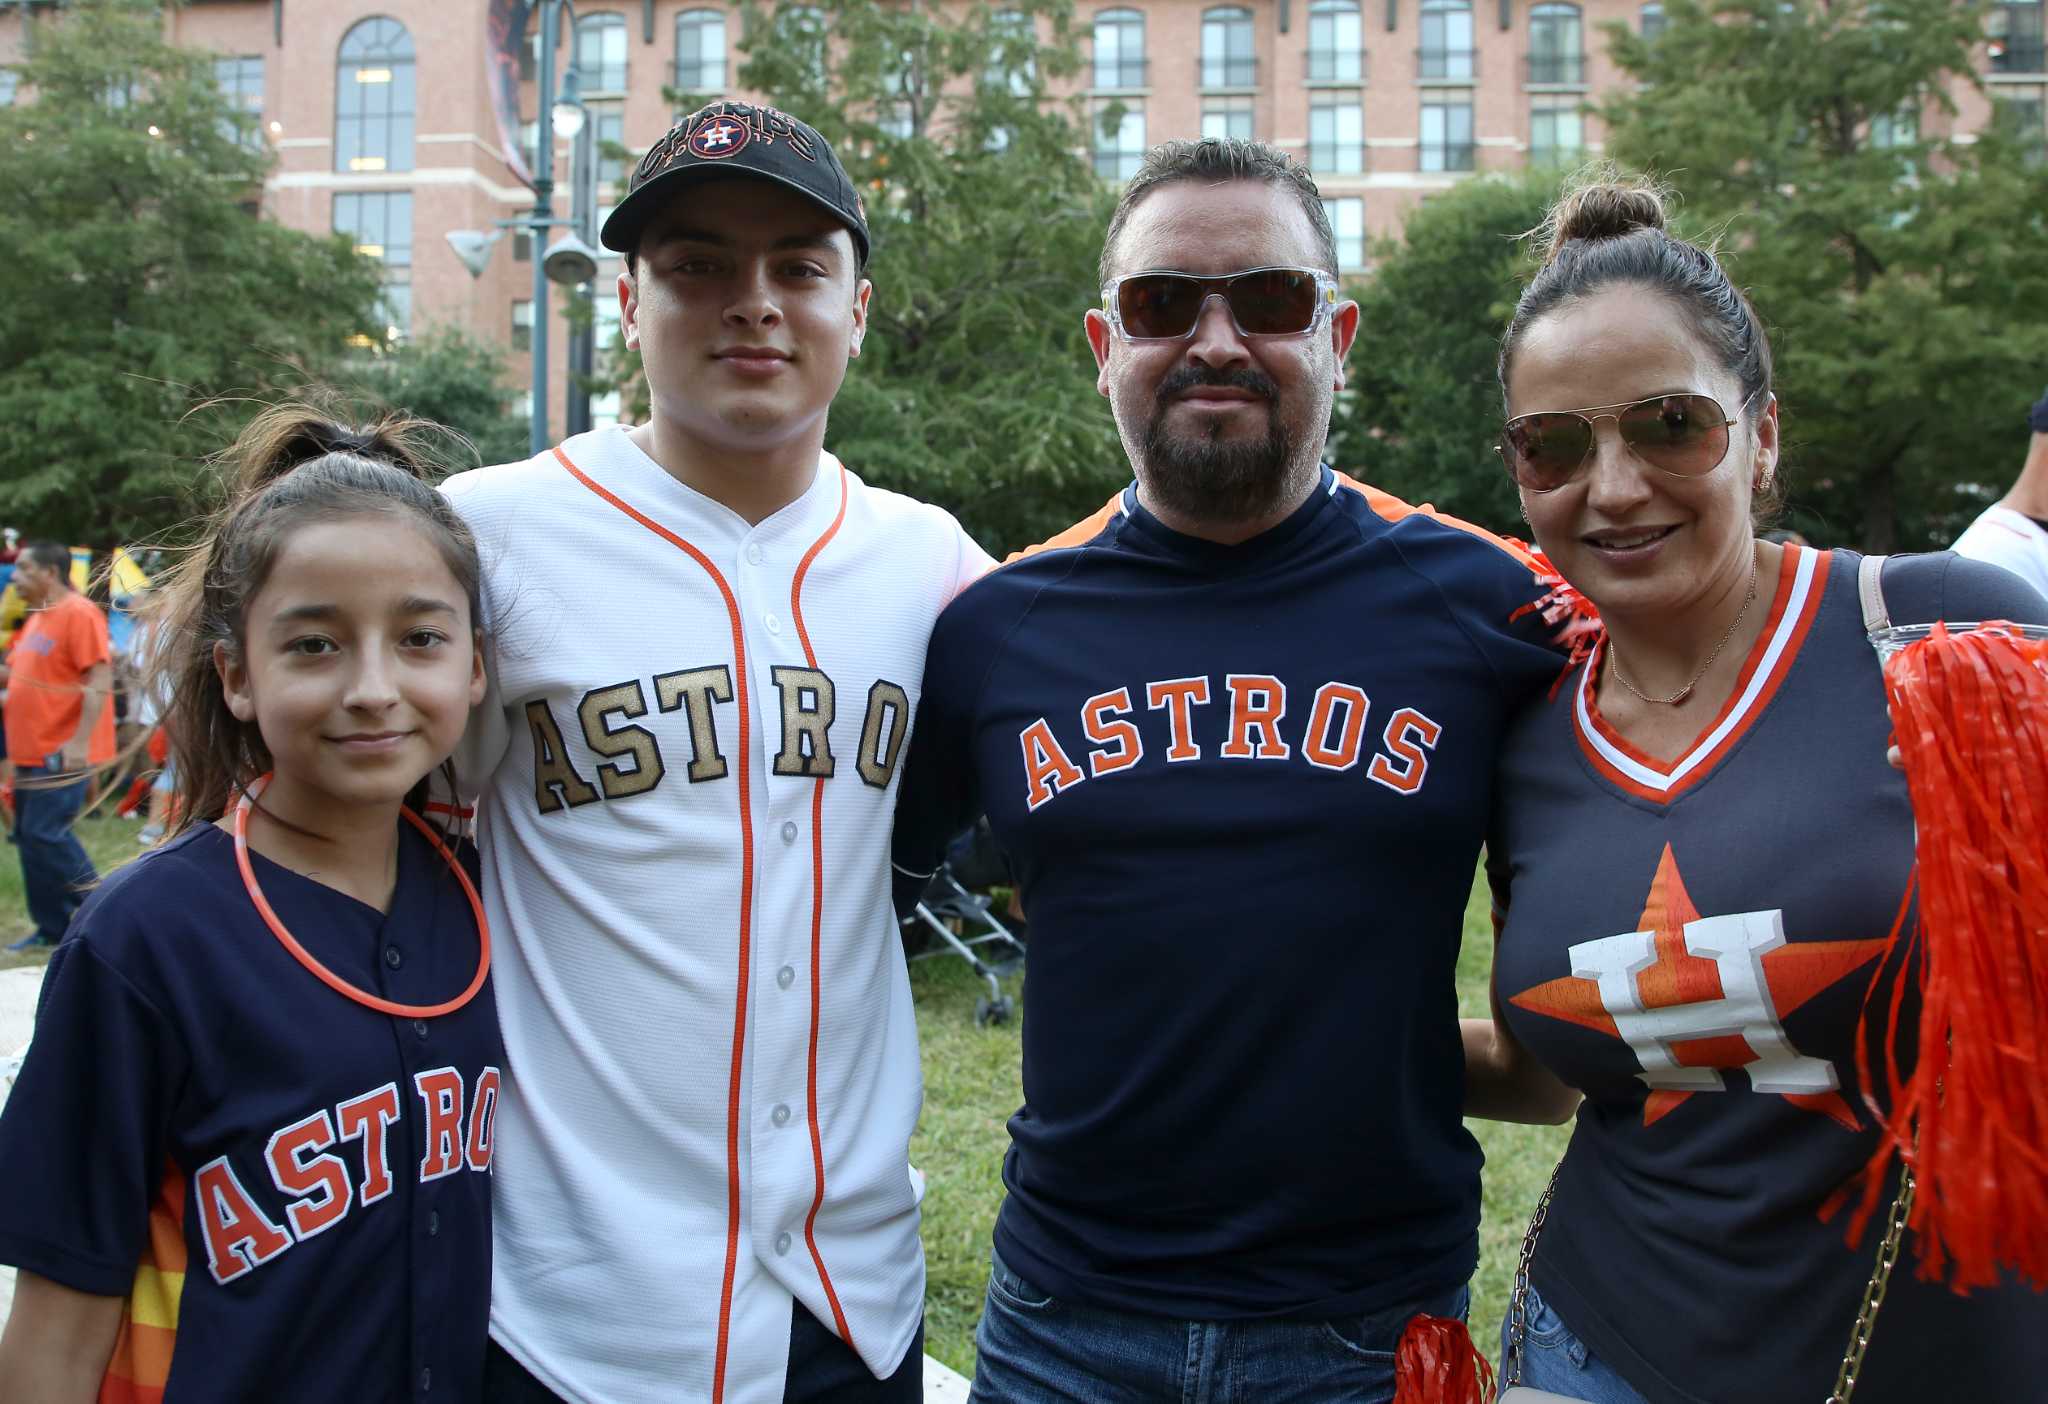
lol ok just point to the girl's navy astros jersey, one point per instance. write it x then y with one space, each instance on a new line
291 1190
1690 941
1243 789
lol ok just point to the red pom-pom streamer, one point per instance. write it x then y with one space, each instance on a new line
1574 623
1436 1363
1971 1119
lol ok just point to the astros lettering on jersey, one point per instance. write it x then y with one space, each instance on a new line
687 770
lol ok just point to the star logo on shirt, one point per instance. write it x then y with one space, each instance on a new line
1694 996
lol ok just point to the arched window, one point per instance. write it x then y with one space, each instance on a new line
1120 49
1556 47
373 98
1652 19
1336 50
800 30
700 51
1446 50
1015 64
601 53
1228 59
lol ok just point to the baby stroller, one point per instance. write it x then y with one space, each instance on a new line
947 898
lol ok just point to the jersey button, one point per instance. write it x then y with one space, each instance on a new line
434 1223
786 976
789 831
392 958
419 1026
753 553
781 1244
773 621
426 1379
780 1116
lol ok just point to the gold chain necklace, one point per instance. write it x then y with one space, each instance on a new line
1614 658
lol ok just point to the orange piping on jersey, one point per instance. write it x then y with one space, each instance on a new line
1774 623
796 611
1391 508
1079 534
739 1014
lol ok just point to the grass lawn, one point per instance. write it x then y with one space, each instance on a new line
972 1086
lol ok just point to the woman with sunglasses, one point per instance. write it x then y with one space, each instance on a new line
1699 851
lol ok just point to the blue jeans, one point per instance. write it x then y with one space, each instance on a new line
55 871
1555 1359
1034 1350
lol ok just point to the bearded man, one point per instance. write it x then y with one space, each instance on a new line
1236 733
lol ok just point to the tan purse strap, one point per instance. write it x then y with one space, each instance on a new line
1870 588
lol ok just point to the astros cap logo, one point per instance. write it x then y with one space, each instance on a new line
718 138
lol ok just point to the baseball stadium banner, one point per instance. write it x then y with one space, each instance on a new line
505 29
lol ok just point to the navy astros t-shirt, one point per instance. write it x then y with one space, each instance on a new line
1690 941
291 1190
1243 790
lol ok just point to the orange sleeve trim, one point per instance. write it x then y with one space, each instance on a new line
1079 534
1392 508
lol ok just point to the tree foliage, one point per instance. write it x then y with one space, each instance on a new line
1422 411
139 284
454 380
1903 273
975 389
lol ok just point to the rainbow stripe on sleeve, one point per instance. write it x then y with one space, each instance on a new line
141 1363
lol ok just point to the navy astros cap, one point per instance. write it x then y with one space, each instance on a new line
735 138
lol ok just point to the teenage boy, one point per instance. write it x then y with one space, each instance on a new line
709 638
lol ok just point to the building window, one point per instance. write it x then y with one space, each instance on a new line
1015 64
608 134
1347 222
601 53
897 116
1227 118
9 81
522 246
1447 136
522 324
373 98
700 51
1119 141
1555 45
2021 113
1899 129
800 31
1336 137
1446 39
379 225
2015 32
1120 49
1651 20
1336 49
1227 60
240 80
529 144
1557 131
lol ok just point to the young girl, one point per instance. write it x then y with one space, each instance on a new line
248 1155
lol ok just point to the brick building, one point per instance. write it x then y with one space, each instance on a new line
380 111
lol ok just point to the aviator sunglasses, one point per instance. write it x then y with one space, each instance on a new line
1683 435
1161 306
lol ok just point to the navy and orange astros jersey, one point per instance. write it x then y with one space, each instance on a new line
1243 789
290 1190
1690 940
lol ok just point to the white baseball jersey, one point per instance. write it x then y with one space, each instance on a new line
687 770
2009 539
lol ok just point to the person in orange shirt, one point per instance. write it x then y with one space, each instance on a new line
59 679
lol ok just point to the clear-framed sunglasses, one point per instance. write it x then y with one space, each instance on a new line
1161 305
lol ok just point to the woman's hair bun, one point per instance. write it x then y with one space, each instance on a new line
1606 206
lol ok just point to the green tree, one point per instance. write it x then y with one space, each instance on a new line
1422 411
975 389
456 381
139 281
1903 273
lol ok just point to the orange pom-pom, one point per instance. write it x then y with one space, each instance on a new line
1436 1363
1971 1118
